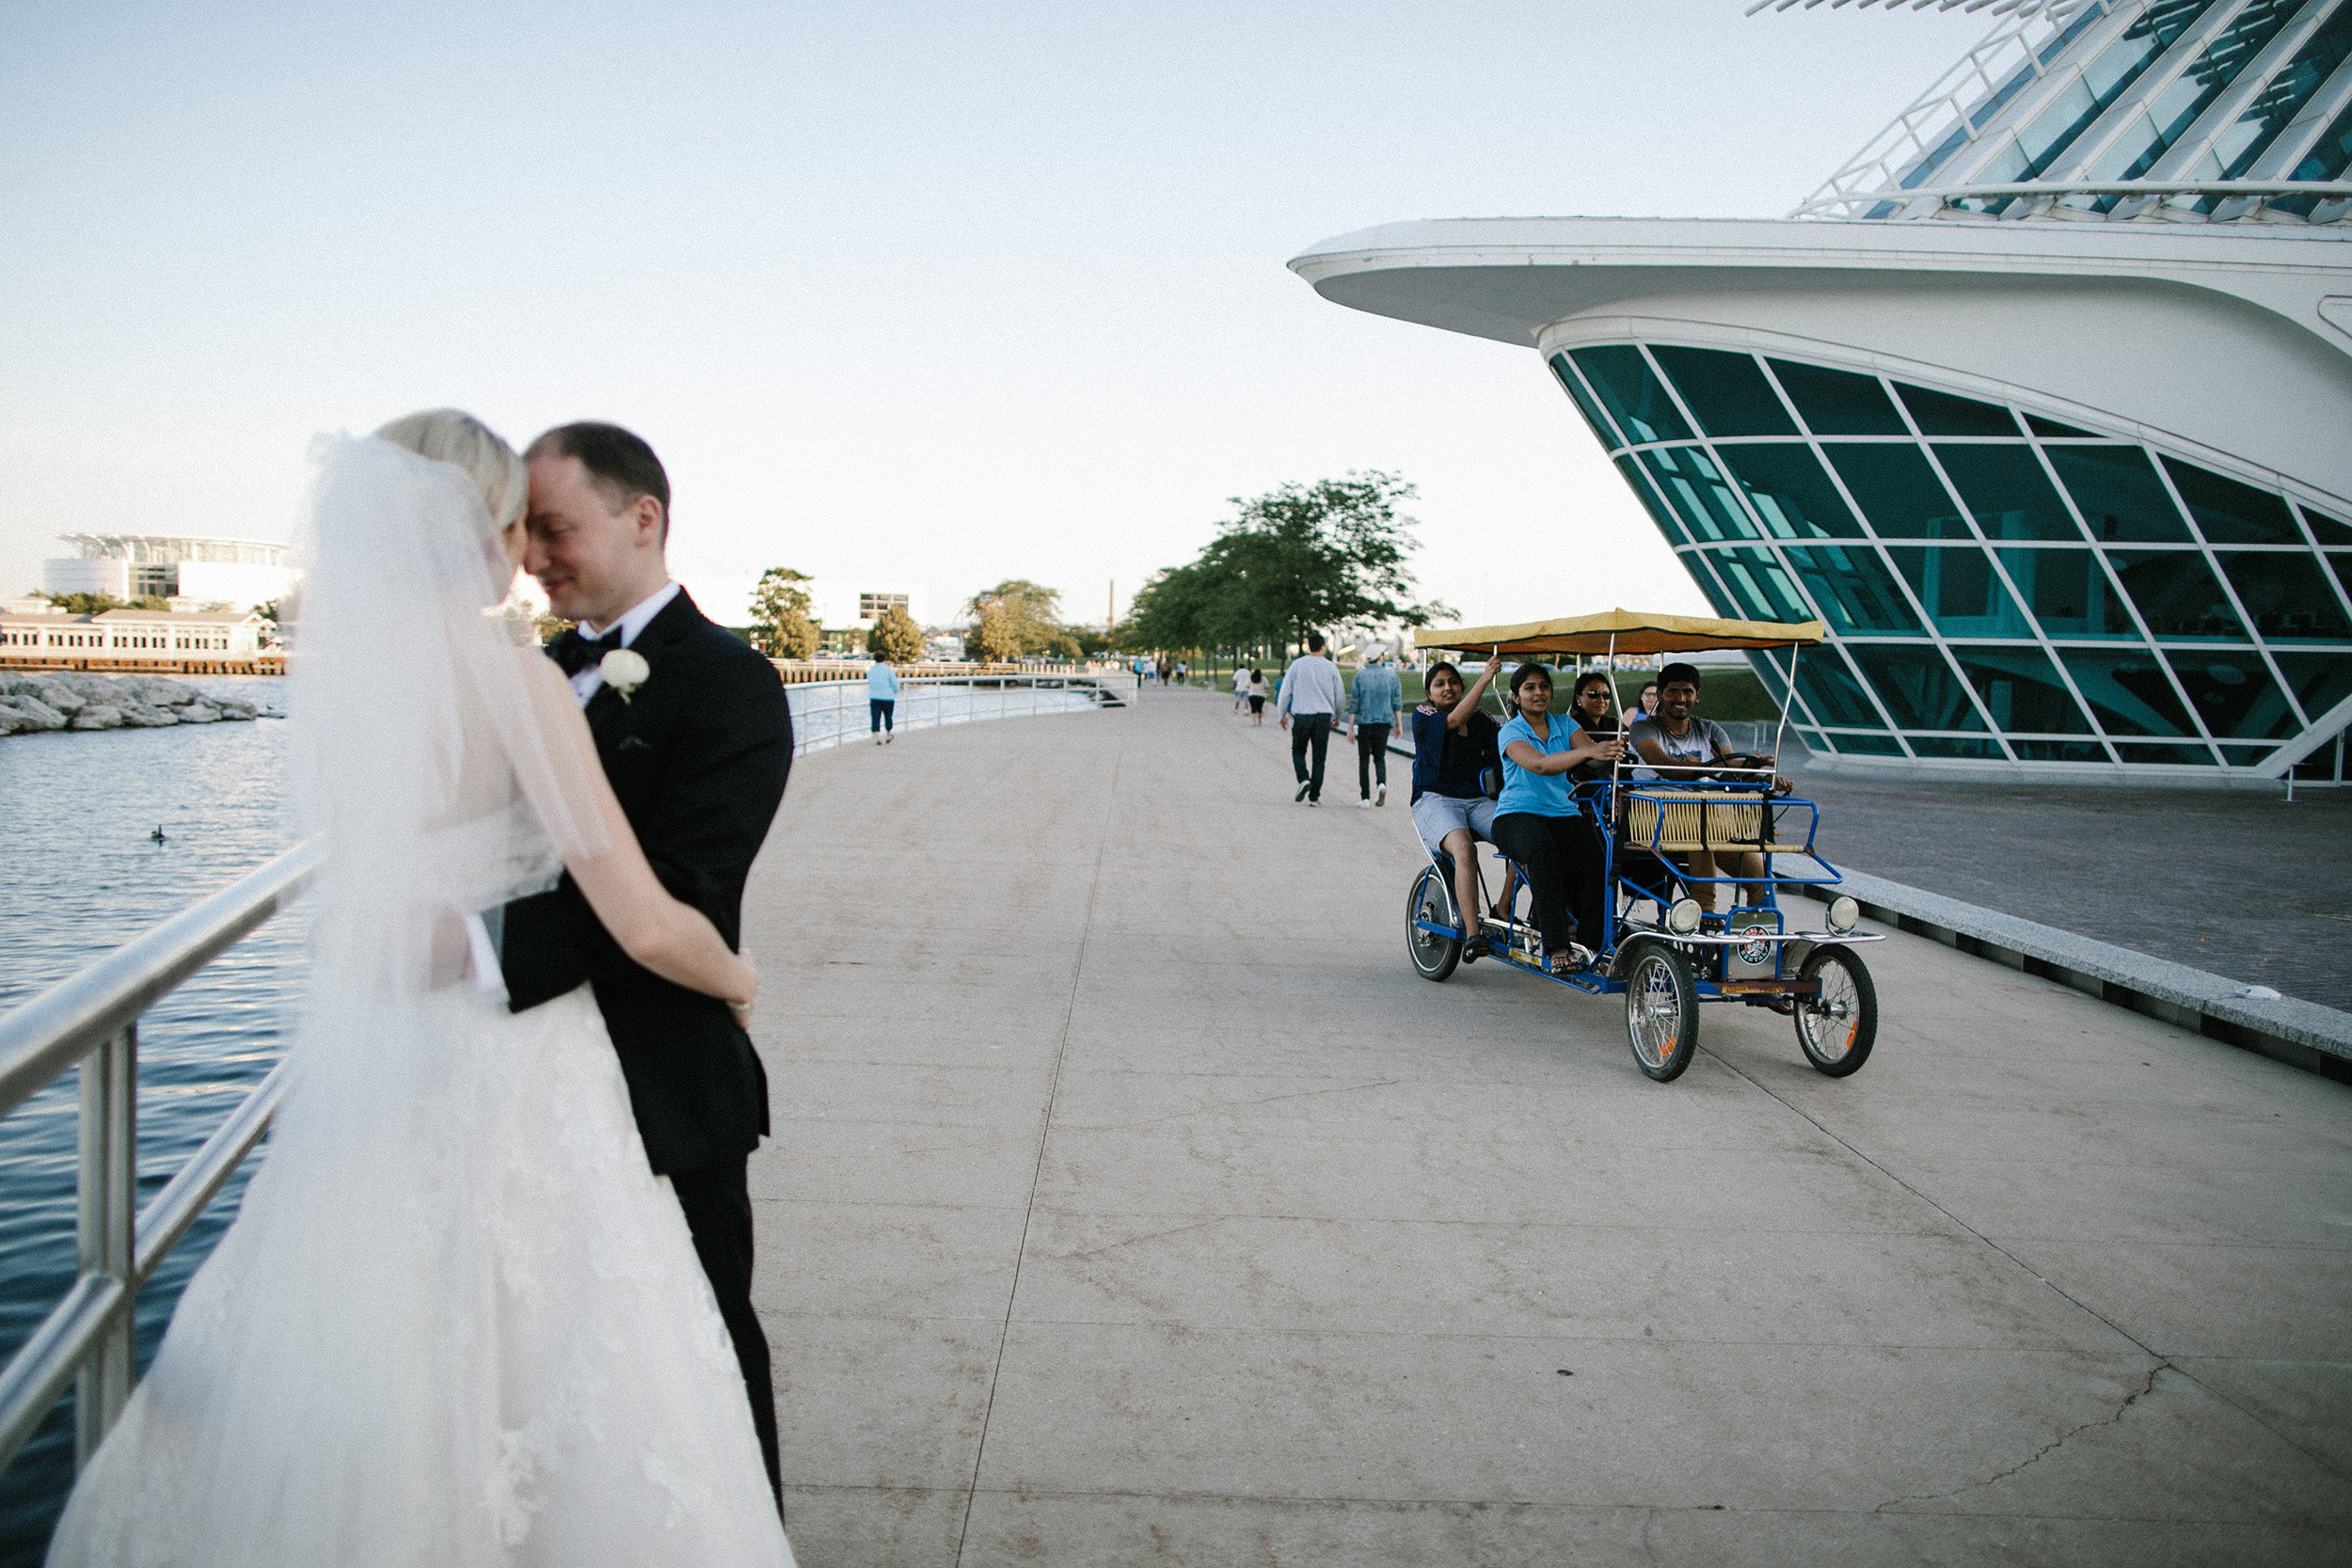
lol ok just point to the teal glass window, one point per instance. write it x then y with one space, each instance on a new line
2006 491
1919 686
1790 493
2118 493
2127 691
1945 746
2059 750
1838 403
1833 694
1649 500
2246 756
2068 593
2229 513
1724 392
2233 693
1897 490
2176 756
2178 596
1867 745
2040 426
1943 414
1758 581
1958 588
2286 594
1605 432
1635 399
1718 597
1855 591
1772 668
2339 562
2320 680
2022 691
1700 494
2327 529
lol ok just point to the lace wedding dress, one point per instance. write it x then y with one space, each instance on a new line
458 1321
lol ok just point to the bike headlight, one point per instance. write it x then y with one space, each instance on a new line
1844 914
1684 917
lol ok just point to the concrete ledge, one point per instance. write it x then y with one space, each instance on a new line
2302 1034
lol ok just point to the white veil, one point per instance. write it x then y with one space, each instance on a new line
350 1296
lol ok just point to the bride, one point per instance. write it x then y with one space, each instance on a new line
458 1320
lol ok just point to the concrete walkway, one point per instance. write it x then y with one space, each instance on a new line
1131 1201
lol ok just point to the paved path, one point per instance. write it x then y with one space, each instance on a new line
1133 1202
2236 882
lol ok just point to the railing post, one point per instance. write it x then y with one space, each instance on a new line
105 1225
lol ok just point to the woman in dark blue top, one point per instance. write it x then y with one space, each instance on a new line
1454 743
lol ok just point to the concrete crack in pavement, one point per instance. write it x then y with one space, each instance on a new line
2146 1388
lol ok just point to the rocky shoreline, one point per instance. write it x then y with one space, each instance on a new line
75 700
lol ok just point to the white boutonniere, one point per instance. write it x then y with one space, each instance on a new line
624 671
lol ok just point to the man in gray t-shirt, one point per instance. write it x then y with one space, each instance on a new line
1680 747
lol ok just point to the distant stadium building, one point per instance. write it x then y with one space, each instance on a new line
2042 404
241 573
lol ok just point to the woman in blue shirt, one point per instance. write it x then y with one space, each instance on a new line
882 700
1539 824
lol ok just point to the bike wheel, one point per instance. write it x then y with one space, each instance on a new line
1838 1027
1434 956
1662 1011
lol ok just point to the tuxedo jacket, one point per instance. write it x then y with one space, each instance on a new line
697 756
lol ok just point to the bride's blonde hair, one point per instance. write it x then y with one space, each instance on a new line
453 436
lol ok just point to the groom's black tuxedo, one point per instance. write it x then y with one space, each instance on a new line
697 756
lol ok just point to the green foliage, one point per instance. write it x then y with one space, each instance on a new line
267 610
896 639
1014 618
86 604
780 606
1303 556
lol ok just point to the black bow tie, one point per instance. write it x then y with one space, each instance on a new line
575 653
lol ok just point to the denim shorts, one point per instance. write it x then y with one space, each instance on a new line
1436 816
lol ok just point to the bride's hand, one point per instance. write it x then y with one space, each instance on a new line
742 1010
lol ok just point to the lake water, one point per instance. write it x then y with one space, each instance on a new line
84 877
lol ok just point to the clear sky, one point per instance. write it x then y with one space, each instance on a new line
938 293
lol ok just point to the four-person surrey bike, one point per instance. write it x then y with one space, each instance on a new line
1664 951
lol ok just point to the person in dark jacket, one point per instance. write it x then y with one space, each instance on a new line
1454 747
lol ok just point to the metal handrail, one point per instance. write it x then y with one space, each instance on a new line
2327 190
91 1021
811 698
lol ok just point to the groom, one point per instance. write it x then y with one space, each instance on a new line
698 755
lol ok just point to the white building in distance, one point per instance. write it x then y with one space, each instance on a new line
838 604
238 572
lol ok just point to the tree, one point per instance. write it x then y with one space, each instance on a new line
85 604
1031 616
896 639
1315 555
997 636
780 607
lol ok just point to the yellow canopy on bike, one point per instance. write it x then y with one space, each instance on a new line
1622 631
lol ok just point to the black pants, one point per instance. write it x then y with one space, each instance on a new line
1310 729
883 711
1564 863
1371 756
718 1205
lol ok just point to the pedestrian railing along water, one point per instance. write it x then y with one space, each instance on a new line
91 1021
832 713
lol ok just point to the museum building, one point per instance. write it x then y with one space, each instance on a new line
2042 406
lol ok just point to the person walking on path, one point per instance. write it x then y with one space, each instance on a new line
1241 687
1257 699
1314 694
1371 715
882 700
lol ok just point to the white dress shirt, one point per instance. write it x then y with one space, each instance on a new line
632 621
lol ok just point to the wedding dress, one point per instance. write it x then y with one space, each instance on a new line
458 1321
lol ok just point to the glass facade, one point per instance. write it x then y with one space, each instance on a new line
1997 584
